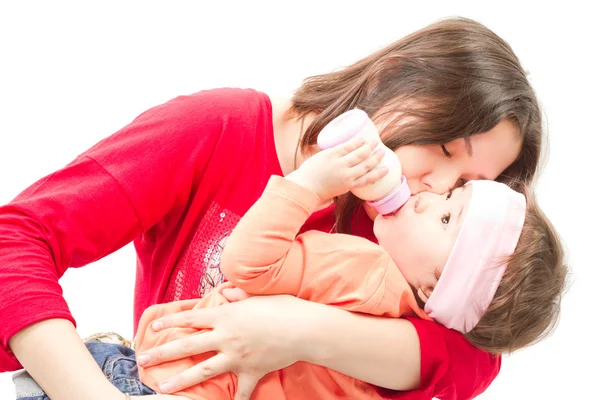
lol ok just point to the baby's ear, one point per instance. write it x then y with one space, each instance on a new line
424 293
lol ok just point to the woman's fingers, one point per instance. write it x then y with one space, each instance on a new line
198 318
209 368
249 341
246 385
181 348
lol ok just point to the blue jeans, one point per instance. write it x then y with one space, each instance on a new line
117 363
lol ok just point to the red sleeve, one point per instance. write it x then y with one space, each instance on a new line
451 367
97 204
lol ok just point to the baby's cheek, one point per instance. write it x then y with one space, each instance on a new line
377 228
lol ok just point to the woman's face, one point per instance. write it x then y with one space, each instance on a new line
438 169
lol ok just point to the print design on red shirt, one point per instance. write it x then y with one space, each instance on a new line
198 271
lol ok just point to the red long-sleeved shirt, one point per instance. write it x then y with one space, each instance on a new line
175 181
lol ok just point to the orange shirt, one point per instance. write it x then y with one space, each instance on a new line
262 256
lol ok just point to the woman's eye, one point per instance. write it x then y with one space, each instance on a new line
446 219
446 152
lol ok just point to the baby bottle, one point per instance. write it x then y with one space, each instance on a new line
387 194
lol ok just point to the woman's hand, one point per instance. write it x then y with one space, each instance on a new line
251 337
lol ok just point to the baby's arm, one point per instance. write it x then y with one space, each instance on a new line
264 241
265 237
264 256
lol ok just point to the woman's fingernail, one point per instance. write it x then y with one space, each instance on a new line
165 387
143 359
158 325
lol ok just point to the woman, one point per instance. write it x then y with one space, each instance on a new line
451 100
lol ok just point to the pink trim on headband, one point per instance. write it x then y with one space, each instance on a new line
490 233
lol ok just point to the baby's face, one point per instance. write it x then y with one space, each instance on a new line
420 236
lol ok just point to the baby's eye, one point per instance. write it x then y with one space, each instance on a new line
449 195
446 219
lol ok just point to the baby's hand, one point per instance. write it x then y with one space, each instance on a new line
335 171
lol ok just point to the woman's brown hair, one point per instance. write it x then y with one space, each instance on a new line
452 79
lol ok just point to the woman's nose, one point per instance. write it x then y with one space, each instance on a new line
440 183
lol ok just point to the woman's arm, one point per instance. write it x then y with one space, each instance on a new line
381 351
98 203
66 357
103 200
266 333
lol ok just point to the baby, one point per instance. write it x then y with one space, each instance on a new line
448 252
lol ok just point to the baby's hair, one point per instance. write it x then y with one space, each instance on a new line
526 306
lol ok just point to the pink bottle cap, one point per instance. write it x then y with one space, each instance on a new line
342 128
394 200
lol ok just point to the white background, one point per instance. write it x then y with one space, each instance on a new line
71 74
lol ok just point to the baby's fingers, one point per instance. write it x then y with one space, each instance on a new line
370 177
360 154
349 146
369 162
